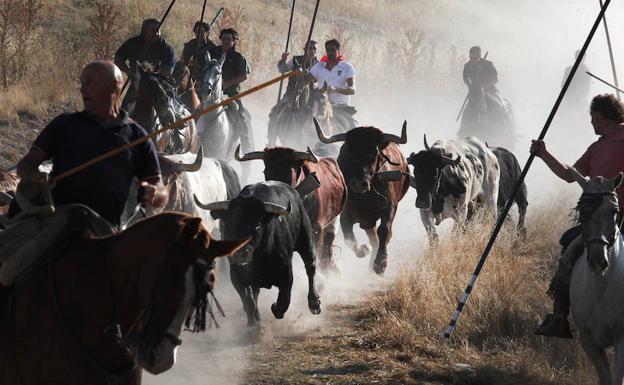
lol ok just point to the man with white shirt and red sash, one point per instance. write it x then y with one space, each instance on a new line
339 75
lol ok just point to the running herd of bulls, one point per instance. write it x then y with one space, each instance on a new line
303 196
298 206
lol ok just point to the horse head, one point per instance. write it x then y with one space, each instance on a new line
173 283
209 82
598 216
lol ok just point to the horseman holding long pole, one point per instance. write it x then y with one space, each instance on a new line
148 61
604 157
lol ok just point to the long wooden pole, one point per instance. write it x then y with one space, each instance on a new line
292 13
603 81
502 216
176 124
615 78
201 27
307 44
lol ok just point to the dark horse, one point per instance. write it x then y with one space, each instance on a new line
105 308
157 106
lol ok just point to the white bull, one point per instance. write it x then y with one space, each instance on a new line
453 178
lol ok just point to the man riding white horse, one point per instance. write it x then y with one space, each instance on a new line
235 71
604 158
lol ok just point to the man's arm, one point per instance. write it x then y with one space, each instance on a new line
29 164
121 57
466 76
349 90
538 148
234 82
283 65
155 193
168 61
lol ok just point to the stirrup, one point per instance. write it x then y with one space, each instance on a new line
554 326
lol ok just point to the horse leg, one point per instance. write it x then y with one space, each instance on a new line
346 224
598 357
280 307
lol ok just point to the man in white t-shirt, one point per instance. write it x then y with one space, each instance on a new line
339 75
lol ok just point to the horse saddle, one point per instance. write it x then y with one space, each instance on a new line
28 238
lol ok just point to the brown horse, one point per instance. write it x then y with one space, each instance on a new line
106 308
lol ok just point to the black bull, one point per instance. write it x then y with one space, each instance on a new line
323 205
272 215
365 158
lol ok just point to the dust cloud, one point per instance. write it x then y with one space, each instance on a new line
531 43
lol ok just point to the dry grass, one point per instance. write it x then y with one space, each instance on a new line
495 333
77 32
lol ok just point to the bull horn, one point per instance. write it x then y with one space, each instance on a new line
222 205
426 144
396 139
250 156
332 139
309 155
272 208
195 166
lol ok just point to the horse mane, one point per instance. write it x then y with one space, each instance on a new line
586 205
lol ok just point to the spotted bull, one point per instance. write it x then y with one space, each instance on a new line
453 178
324 204
187 174
510 172
272 215
366 154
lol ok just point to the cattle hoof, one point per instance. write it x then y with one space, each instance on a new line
276 313
315 305
379 269
362 252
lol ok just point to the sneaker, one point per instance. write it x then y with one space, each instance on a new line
554 326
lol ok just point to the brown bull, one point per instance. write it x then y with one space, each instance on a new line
324 204
366 158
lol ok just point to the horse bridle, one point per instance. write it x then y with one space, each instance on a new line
125 342
608 241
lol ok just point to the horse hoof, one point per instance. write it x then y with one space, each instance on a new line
379 269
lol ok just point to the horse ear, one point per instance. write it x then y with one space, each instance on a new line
580 179
192 226
616 181
218 249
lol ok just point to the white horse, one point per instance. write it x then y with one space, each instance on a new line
597 284
214 127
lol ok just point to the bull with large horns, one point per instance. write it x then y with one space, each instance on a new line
272 215
305 172
377 178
